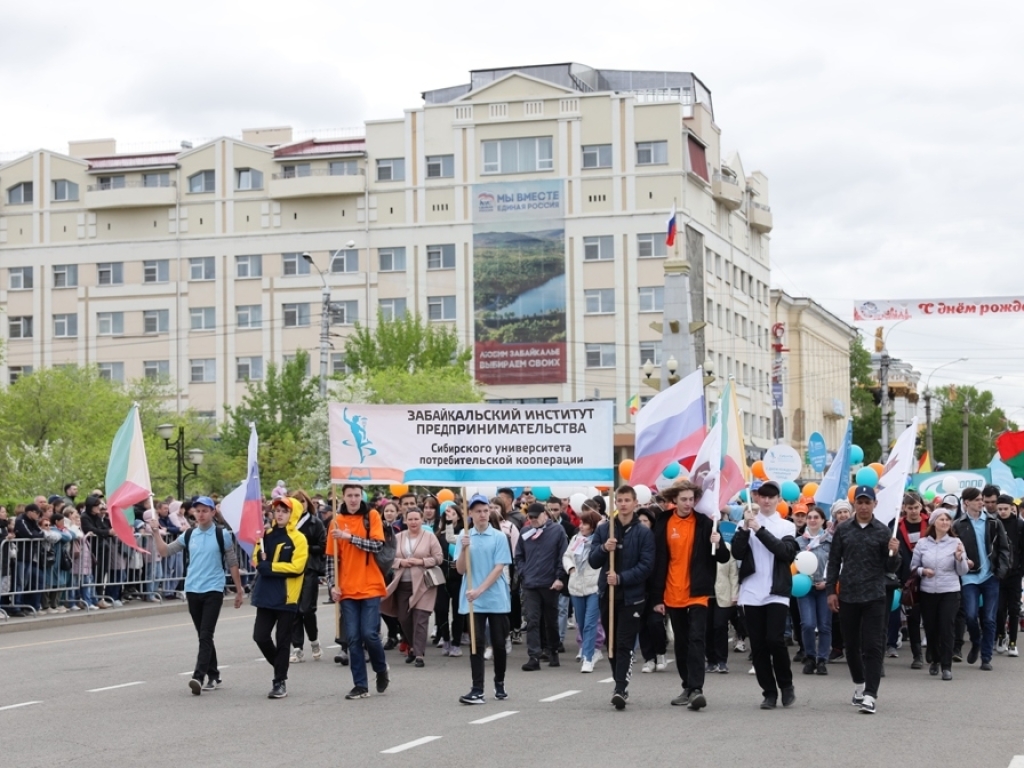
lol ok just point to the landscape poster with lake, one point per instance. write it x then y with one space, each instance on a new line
519 291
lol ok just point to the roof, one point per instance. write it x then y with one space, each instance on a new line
126 162
316 147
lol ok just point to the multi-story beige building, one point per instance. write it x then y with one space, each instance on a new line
527 208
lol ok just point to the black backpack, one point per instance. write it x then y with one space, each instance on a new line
385 558
219 532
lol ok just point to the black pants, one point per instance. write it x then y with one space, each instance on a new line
541 604
653 637
516 616
914 626
864 626
305 622
689 625
204 608
959 628
628 620
447 604
837 633
939 611
499 631
766 630
275 651
794 618
1009 608
716 638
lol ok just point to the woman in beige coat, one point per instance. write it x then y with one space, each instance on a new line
410 599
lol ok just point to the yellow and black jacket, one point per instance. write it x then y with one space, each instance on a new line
280 573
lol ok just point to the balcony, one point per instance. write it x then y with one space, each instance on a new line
131 194
727 190
317 182
760 217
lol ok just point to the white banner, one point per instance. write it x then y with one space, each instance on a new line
893 483
469 444
905 309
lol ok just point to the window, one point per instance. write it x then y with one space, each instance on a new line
20 193
652 299
599 248
204 181
597 156
344 168
162 179
291 359
248 266
19 278
600 301
650 350
203 371
698 158
111 182
156 271
210 417
156 369
651 152
338 364
15 372
440 307
110 273
440 166
110 323
294 264
156 321
249 316
248 178
441 256
600 355
201 268
651 245
65 275
296 315
392 309
65 326
249 368
296 171
518 155
202 318
392 259
391 169
112 371
344 312
346 260
64 190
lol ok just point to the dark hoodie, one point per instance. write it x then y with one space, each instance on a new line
279 581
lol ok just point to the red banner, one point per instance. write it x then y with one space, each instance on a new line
530 363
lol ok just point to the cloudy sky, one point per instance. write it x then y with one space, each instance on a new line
890 131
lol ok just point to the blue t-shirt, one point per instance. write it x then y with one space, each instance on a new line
984 566
486 550
205 569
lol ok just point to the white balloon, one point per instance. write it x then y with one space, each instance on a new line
664 482
592 492
562 491
576 501
643 494
806 563
950 484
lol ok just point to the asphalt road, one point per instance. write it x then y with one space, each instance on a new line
116 693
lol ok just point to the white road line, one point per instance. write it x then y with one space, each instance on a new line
562 695
329 647
112 687
491 718
409 745
23 704
607 680
259 659
1017 762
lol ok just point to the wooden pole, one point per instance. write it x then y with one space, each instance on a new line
469 575
611 587
337 573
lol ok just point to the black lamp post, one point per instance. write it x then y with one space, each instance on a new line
182 458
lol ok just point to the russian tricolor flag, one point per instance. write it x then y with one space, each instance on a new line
127 480
670 237
242 509
671 427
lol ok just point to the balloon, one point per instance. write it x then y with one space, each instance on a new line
643 494
950 484
576 501
664 482
541 492
445 495
810 489
879 468
790 491
806 563
896 596
929 496
672 470
562 491
398 489
366 497
802 584
867 476
856 454
603 489
792 569
626 468
758 470
783 509
445 505
744 496
851 492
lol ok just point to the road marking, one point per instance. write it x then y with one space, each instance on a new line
489 718
329 647
1017 762
607 680
562 695
259 659
409 745
23 704
112 687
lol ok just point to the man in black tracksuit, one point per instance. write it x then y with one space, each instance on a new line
1010 585
313 529
633 545
538 559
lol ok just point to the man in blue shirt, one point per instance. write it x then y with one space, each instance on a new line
481 555
204 585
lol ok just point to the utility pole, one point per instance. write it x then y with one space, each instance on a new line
325 325
966 424
928 426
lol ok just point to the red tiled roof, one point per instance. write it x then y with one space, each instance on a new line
322 147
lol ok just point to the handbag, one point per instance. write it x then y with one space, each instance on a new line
908 597
434 576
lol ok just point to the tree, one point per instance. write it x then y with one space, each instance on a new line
406 343
866 413
984 424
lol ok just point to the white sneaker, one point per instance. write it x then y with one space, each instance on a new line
588 666
752 671
316 650
570 623
648 666
296 657
508 645
597 656
579 655
92 607
76 607
740 647
660 665
61 609
1012 650
441 642
488 653
1001 645
118 604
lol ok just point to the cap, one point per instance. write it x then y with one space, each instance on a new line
535 510
206 501
770 488
477 498
54 499
864 491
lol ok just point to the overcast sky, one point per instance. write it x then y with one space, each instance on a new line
889 131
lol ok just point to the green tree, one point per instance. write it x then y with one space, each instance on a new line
866 413
429 385
407 343
984 423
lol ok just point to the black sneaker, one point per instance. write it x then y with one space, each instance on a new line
768 703
723 668
419 662
212 684
788 696
974 653
383 680
473 697
358 692
917 663
499 691
342 658
986 666
553 661
810 666
544 655
683 699
697 700
958 655
532 665
278 691
619 700
560 648
933 668
196 686
822 668
391 644
799 656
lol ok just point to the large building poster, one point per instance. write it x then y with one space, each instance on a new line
519 291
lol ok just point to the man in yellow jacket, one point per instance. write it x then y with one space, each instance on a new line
280 561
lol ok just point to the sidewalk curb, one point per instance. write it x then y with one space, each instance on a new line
11 625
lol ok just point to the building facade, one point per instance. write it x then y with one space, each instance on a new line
188 264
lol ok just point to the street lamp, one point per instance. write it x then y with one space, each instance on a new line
672 365
709 373
325 317
182 458
928 408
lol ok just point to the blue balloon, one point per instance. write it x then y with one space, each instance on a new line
672 470
541 492
802 585
896 597
856 454
744 495
445 505
790 491
867 476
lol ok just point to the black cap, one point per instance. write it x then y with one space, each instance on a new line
865 492
770 488
54 499
535 510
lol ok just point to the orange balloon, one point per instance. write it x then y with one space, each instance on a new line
782 509
793 569
758 470
853 490
399 489
603 488
445 495
879 468
810 489
626 468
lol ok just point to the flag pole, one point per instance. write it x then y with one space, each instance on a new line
337 573
469 575
611 588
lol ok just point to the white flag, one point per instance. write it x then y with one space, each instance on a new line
893 483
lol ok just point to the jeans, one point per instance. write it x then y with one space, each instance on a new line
689 625
766 629
537 604
274 650
628 620
361 620
815 615
864 632
30 578
204 608
563 616
939 611
983 636
587 615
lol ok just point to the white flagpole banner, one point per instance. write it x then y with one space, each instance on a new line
472 443
893 483
906 309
